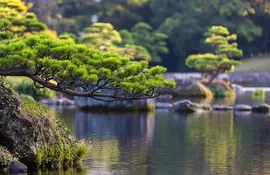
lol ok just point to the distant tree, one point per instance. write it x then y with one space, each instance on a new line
21 21
103 36
221 60
142 34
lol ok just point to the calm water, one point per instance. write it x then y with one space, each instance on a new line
165 143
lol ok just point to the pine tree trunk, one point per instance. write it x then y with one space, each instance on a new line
214 77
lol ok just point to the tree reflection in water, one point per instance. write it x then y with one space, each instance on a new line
169 143
120 141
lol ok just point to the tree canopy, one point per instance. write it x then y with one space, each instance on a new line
61 65
104 37
142 34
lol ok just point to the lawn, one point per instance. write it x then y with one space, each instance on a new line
256 64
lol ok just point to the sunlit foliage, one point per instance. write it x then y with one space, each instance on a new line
221 60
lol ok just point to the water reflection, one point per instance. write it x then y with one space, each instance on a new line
169 143
121 141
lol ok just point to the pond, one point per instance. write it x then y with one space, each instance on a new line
164 143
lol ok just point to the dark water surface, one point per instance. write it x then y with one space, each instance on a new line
164 143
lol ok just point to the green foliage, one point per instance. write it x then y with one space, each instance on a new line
143 35
225 47
61 65
71 65
27 87
182 21
62 152
5 158
5 29
22 22
103 36
75 14
259 95
36 109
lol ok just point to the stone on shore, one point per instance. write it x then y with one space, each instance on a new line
5 159
17 167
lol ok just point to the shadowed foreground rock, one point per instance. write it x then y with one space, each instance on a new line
17 167
33 136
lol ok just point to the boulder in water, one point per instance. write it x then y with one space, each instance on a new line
222 108
238 89
261 108
187 106
188 88
164 105
164 97
242 107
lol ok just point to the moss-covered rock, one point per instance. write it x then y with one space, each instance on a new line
221 89
261 108
31 133
187 106
189 88
5 159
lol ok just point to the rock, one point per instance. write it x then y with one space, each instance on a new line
242 114
164 105
261 108
58 101
17 167
205 107
164 97
5 159
187 106
64 102
221 89
87 103
49 102
32 134
238 89
242 107
188 88
222 108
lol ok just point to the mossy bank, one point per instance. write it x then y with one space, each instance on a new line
29 132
